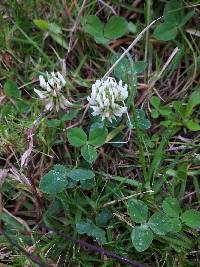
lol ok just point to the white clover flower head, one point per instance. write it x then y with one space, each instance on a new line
52 91
107 98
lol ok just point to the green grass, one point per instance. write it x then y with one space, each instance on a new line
160 160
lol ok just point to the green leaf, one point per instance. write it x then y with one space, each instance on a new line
59 39
191 218
55 181
90 229
127 67
10 89
155 102
124 68
165 110
159 223
194 101
171 207
41 24
142 237
139 66
94 26
102 40
142 122
132 27
103 217
137 210
174 18
176 225
88 184
186 18
97 136
174 12
105 33
23 105
55 28
116 27
165 32
193 126
181 173
12 222
53 123
77 137
97 124
54 208
179 108
89 153
8 109
154 114
70 115
81 174
165 123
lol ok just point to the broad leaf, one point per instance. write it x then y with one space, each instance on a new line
80 174
137 210
97 136
127 68
10 89
165 110
41 24
174 19
176 225
89 153
139 66
116 27
155 102
90 229
142 237
171 207
103 217
104 33
165 32
76 137
142 122
193 126
94 26
154 114
70 115
159 223
55 181
174 12
191 218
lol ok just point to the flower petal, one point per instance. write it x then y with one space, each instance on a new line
49 105
40 93
63 82
42 82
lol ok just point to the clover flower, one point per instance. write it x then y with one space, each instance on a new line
51 93
107 98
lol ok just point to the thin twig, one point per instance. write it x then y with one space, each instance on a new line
14 244
151 85
81 120
96 249
130 47
75 26
108 6
125 198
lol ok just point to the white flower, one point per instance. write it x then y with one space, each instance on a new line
51 93
107 98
